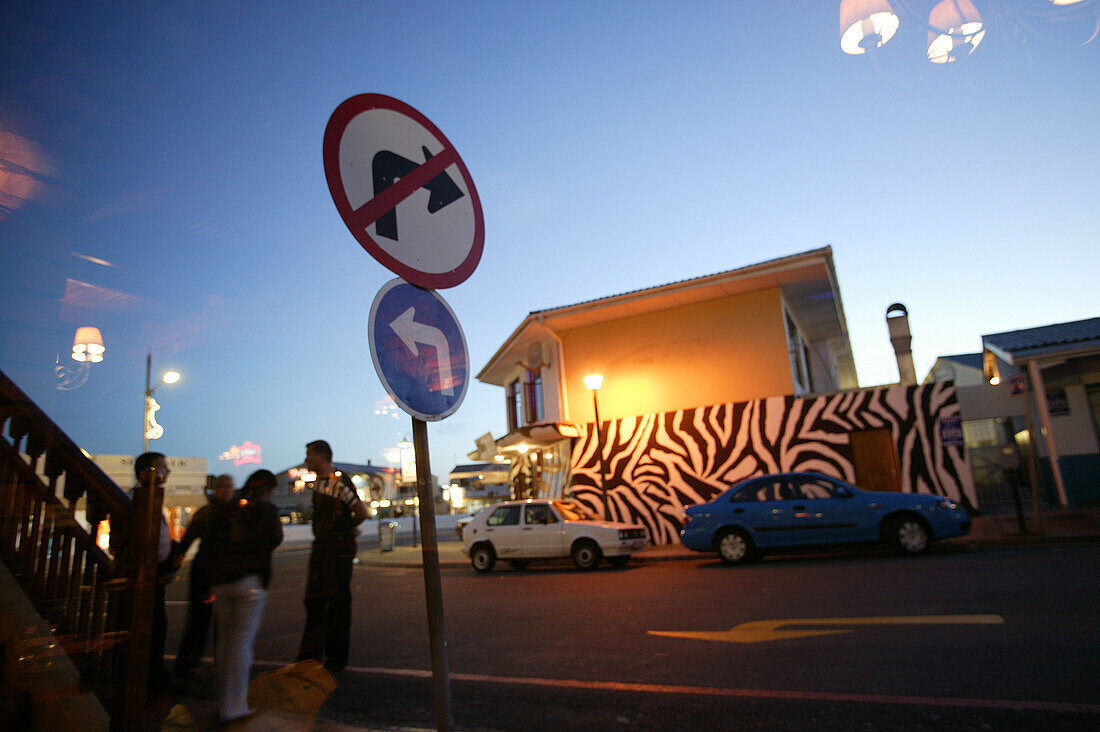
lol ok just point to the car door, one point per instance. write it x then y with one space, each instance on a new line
541 533
763 507
503 529
825 511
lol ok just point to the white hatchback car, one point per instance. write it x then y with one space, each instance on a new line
519 531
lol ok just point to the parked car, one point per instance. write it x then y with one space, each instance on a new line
519 531
461 521
801 509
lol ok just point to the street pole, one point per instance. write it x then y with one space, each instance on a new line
148 395
603 460
433 588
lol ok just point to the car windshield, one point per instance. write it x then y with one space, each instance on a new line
572 512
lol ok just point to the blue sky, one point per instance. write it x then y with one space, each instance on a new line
614 145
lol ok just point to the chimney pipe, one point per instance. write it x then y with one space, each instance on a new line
897 321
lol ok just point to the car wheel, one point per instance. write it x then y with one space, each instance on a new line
734 546
586 555
483 558
518 563
908 535
619 561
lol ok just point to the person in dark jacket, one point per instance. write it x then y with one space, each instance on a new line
337 511
243 533
200 608
150 469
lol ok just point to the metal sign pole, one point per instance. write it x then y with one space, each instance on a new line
433 589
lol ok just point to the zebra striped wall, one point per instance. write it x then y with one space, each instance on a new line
658 463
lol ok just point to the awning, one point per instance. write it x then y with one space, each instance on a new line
537 435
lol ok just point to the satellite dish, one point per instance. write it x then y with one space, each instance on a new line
534 355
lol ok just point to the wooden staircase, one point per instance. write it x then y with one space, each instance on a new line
74 622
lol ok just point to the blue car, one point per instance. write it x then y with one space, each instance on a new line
805 509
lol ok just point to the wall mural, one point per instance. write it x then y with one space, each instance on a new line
658 463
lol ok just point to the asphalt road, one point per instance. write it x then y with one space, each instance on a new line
1002 637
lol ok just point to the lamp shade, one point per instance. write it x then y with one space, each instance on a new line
866 22
593 381
956 29
88 344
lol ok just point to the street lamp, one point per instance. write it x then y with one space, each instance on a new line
408 475
593 382
150 430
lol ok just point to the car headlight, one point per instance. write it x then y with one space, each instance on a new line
948 505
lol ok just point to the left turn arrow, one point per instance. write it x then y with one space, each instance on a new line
411 333
772 630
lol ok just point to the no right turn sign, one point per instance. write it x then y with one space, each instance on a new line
403 191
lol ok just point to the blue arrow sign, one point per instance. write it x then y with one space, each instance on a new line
419 350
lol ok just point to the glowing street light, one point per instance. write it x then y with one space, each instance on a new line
593 382
150 430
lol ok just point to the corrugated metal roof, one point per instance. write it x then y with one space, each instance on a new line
477 467
1046 337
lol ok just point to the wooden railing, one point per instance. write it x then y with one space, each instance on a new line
99 611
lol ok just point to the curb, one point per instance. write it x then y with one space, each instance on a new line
1032 539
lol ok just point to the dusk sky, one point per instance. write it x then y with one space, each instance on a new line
173 153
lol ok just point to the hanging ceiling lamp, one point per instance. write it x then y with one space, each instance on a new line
88 345
955 30
866 24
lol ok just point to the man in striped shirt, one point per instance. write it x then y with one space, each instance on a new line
337 511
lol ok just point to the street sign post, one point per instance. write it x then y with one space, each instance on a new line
419 350
407 198
403 191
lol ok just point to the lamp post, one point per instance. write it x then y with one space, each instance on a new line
593 382
408 475
149 429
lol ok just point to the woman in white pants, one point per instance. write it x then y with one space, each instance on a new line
245 531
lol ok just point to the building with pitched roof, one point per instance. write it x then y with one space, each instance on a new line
1062 367
707 381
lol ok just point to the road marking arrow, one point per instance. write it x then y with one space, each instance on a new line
770 630
411 332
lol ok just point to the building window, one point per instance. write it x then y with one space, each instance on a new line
797 350
1092 391
532 392
806 366
515 407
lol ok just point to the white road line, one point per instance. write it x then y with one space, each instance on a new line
792 695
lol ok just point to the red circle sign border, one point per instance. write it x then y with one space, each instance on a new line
334 132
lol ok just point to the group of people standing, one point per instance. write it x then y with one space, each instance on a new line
237 533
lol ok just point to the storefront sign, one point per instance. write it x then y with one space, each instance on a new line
246 452
951 432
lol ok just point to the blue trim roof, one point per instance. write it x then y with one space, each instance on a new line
973 360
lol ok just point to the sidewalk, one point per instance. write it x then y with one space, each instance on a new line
1051 526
